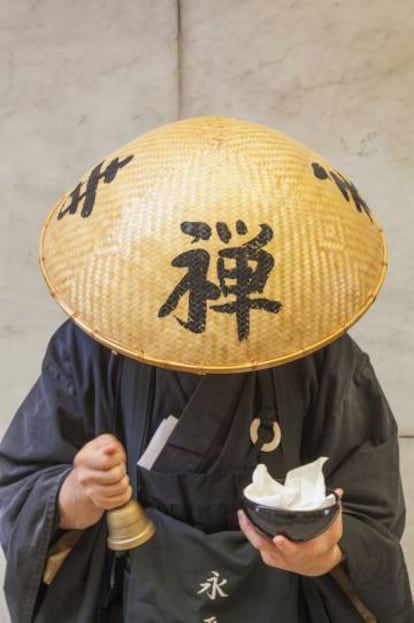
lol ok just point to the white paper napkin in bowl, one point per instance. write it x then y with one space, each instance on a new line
304 488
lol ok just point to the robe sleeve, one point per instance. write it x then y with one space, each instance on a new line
65 409
353 425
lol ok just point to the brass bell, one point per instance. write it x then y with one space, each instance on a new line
128 526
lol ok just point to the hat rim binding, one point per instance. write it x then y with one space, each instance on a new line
118 348
199 368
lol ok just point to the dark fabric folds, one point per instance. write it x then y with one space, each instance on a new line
328 404
71 403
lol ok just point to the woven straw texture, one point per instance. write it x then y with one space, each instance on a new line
213 245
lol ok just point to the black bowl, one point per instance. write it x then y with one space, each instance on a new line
296 525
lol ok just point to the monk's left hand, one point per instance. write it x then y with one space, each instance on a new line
312 558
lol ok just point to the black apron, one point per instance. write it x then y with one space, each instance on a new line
199 567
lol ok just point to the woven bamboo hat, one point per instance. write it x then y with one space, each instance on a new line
213 245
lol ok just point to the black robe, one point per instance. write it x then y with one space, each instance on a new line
328 404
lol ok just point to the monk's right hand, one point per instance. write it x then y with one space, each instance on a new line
98 482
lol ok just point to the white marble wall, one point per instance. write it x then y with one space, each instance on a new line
80 78
338 76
